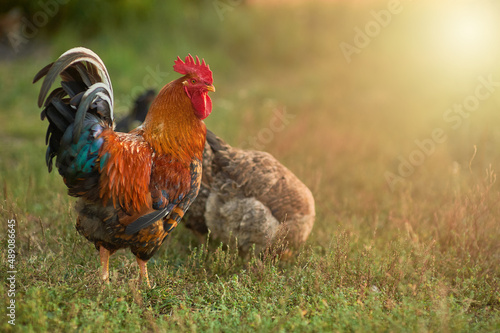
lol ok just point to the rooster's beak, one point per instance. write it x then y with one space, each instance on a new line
211 88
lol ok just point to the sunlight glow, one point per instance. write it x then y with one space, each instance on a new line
467 33
470 30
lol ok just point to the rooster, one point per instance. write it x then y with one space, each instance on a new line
250 197
135 187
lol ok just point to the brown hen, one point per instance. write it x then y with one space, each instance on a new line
249 198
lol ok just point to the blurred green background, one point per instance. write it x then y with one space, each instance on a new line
365 84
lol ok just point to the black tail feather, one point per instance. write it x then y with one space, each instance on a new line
56 119
57 93
72 88
65 111
42 72
85 84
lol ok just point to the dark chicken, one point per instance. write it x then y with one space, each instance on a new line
138 112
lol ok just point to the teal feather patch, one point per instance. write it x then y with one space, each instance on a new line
104 160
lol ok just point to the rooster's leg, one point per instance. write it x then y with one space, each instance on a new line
104 254
144 271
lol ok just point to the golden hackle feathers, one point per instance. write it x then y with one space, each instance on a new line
170 129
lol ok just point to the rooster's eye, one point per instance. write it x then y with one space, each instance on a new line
193 81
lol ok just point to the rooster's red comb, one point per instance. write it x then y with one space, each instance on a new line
190 66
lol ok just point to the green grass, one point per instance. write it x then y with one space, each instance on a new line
422 257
